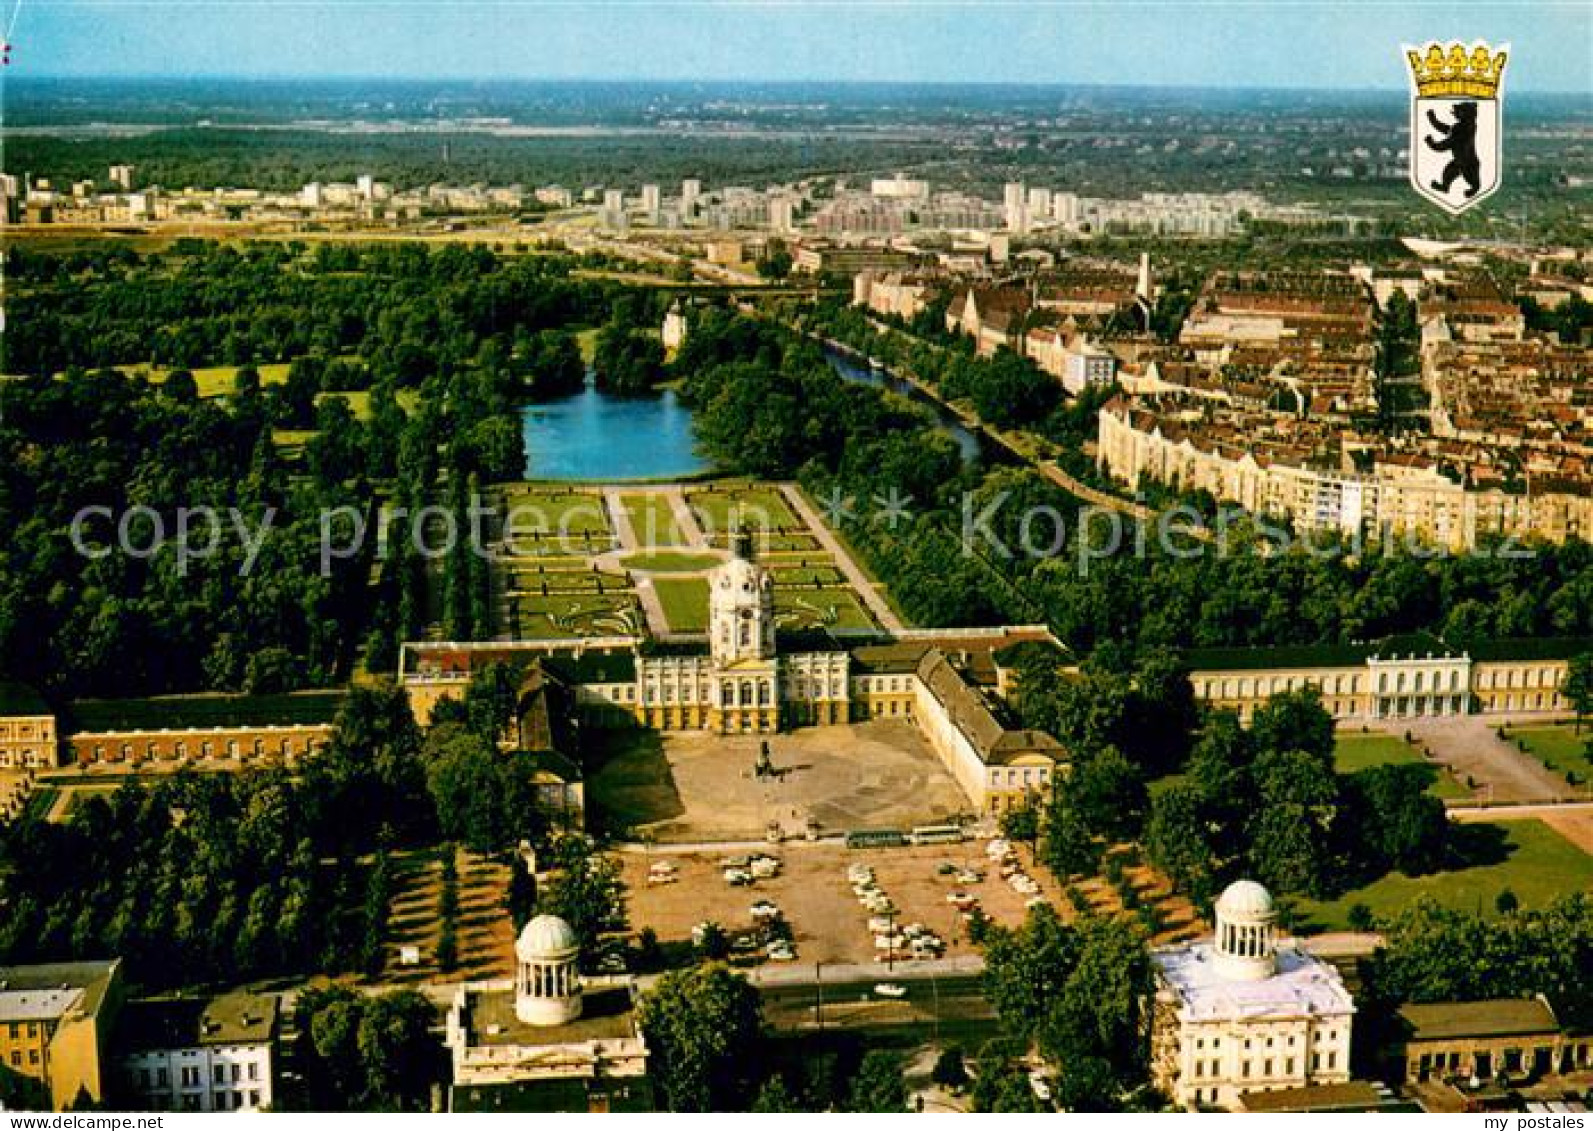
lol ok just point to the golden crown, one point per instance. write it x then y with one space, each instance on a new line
1452 71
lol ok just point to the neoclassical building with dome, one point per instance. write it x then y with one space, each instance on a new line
1244 1011
549 1039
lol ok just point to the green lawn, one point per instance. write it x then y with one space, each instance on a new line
821 575
685 602
820 608
1557 747
652 520
359 400
561 615
214 380
668 562
1354 752
1538 864
573 514
758 509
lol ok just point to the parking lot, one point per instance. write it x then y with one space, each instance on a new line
815 896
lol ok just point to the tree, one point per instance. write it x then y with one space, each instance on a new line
774 1098
703 1026
1219 764
492 698
1022 824
950 1071
776 262
878 1087
1394 822
1069 848
1295 720
587 891
1003 1087
1108 794
399 1054
1179 837
486 799
627 361
1292 831
1577 687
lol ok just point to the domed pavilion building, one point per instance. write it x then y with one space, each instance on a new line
550 1039
1245 1011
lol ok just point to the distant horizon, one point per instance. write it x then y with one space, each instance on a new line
646 81
1304 45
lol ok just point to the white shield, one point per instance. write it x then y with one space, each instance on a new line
1455 150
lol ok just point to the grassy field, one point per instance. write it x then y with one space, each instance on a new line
800 575
756 508
820 608
1354 752
1528 857
359 401
668 562
560 615
214 380
1557 747
652 520
685 602
559 513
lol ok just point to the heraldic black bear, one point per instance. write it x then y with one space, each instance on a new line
1460 139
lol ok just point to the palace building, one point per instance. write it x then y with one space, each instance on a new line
1245 1012
1410 677
27 729
747 675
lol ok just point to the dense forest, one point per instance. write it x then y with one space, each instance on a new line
404 370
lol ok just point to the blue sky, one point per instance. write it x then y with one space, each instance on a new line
1279 43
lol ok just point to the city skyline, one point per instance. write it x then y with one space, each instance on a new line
1056 43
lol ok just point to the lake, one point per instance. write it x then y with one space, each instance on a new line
595 436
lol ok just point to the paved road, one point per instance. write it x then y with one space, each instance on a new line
1524 812
1468 746
955 1000
858 580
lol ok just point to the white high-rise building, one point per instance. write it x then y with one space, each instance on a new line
651 201
1039 202
782 215
1015 208
1065 207
899 188
122 177
690 190
1245 1012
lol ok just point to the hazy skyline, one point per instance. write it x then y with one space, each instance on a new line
1222 44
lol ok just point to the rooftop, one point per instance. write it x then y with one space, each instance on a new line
177 1023
1304 986
1352 1095
606 1015
20 699
197 712
1500 1017
48 991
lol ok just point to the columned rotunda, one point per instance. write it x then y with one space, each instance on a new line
547 984
1245 946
